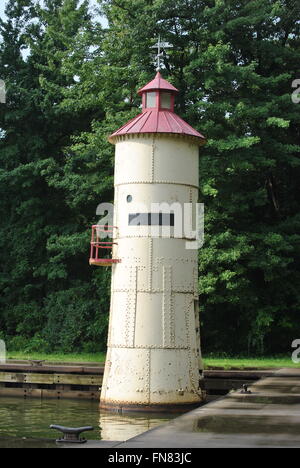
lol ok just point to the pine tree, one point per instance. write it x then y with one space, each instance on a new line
234 63
249 171
46 281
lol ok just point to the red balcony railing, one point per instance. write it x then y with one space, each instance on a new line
100 246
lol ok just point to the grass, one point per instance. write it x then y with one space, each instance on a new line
210 362
57 357
249 363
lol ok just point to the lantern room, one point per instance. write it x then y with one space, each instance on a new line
158 116
158 94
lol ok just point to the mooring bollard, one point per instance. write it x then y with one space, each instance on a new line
71 434
36 363
245 390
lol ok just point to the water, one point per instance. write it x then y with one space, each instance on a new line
24 419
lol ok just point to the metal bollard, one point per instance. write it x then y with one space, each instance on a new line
71 434
245 390
36 363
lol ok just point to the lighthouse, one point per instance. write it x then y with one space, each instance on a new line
154 357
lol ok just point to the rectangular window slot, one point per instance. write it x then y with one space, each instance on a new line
152 219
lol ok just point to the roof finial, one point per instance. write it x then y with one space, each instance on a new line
160 46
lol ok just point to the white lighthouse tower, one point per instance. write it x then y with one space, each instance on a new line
154 358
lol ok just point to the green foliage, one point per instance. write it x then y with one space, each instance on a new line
50 297
95 358
234 63
71 323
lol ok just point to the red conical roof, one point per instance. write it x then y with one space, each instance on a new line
155 121
158 119
158 83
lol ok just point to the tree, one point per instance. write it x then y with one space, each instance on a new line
234 63
44 237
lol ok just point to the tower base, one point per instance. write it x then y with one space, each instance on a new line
119 407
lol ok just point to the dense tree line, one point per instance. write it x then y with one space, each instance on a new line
71 82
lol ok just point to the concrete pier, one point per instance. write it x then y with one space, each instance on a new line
268 417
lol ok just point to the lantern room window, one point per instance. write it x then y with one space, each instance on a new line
150 100
165 101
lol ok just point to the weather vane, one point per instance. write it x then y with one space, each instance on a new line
160 46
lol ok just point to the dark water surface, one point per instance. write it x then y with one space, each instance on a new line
24 419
